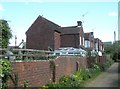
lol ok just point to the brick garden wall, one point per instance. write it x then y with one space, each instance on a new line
39 73
68 65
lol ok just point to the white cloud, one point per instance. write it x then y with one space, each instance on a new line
113 13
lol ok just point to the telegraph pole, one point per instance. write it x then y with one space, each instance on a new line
15 41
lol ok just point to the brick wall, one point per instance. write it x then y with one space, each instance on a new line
68 40
57 40
68 65
37 36
39 73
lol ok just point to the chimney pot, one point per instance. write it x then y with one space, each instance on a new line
79 23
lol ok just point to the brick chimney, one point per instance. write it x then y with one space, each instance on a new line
79 23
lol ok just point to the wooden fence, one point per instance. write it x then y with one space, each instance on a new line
22 54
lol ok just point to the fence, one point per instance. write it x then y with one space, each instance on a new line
24 54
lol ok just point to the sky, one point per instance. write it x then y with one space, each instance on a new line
99 17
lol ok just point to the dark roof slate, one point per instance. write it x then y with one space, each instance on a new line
70 30
43 21
86 35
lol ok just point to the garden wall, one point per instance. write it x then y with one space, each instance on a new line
39 73
101 59
68 65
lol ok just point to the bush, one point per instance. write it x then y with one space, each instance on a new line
5 70
104 66
70 82
83 74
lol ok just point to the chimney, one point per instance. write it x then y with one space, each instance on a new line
91 33
79 23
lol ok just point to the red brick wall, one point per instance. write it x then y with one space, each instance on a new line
41 34
70 40
39 73
40 39
67 65
56 40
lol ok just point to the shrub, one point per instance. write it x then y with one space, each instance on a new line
5 72
104 66
71 81
84 74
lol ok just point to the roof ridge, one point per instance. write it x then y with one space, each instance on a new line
48 20
69 27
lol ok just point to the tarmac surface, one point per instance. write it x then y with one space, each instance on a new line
109 78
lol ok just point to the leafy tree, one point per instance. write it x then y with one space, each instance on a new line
113 50
5 33
116 51
109 49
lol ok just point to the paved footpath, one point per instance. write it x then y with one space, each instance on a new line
108 78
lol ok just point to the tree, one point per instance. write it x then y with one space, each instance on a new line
113 50
109 49
5 34
116 52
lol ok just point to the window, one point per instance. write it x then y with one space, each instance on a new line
83 41
96 46
87 44
80 40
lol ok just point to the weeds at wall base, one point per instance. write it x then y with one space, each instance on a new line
79 78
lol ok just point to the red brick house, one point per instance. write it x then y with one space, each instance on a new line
99 46
43 34
89 40
72 36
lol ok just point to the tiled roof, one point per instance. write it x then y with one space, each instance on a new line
48 22
86 36
41 21
70 30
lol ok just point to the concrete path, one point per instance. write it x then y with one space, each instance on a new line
108 78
